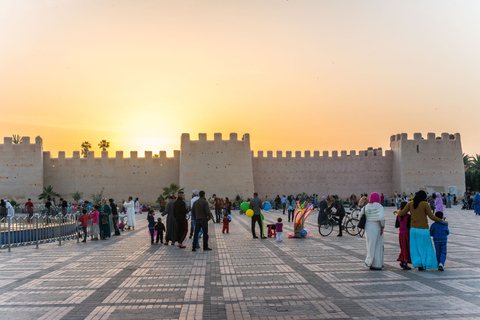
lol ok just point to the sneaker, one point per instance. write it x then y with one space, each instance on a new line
440 267
264 237
207 249
84 241
339 235
194 249
255 237
181 246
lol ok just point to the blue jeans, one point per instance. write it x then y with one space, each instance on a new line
201 225
200 232
441 251
152 233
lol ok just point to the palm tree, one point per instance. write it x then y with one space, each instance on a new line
171 190
104 144
85 147
467 161
475 163
48 192
16 139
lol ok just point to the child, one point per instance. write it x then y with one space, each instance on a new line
121 225
403 223
160 228
226 222
439 231
95 228
84 223
279 229
151 224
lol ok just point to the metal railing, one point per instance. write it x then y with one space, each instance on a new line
24 230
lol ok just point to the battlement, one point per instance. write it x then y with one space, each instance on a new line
24 145
118 155
370 152
430 137
217 137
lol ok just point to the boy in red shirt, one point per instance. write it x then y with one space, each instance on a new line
84 223
226 223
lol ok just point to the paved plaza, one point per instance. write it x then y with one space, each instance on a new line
242 278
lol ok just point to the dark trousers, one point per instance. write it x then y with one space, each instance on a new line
284 207
192 227
218 214
85 233
258 219
441 251
201 224
182 229
115 225
160 236
152 233
291 213
339 219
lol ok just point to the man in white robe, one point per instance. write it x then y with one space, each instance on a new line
10 209
130 206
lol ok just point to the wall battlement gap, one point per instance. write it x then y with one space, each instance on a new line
118 155
325 154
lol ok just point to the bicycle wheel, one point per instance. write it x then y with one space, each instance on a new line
325 228
355 213
351 226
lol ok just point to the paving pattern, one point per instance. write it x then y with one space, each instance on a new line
242 278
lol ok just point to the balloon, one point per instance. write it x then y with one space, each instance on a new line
249 213
308 231
244 206
267 206
262 216
303 233
229 218
290 235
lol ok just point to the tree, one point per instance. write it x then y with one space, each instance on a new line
16 139
85 147
48 192
156 155
97 197
467 161
104 144
77 196
171 190
475 163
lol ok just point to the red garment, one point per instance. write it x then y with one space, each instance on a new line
84 220
226 223
404 241
95 215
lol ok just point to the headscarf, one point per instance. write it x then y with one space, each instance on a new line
374 197
419 197
363 201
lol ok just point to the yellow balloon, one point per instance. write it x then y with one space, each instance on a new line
249 213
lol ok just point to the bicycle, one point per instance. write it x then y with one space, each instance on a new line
349 224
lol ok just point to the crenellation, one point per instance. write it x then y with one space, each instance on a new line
61 154
343 153
76 155
325 154
104 154
133 155
90 155
288 154
307 154
217 136
279 154
334 154
25 140
162 154
298 154
445 136
202 137
233 137
8 140
417 136
269 154
353 153
260 154
431 136
148 154
316 154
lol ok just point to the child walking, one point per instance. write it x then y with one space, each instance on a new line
151 224
439 231
226 223
160 228
279 229
95 228
403 223
84 223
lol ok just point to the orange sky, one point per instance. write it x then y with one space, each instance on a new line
296 75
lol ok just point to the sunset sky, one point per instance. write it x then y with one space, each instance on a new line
296 75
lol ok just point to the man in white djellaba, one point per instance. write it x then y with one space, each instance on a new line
10 209
130 206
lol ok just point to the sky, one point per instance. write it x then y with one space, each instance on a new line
295 75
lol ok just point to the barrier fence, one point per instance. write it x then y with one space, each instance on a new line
23 230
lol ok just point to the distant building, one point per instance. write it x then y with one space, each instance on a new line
229 167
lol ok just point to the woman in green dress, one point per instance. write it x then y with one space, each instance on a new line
104 221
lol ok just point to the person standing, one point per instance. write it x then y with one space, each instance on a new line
256 205
322 210
476 204
84 223
171 234
291 207
337 204
95 230
218 208
160 229
201 213
438 202
284 203
29 209
151 224
113 207
195 197
105 220
137 207
129 205
180 214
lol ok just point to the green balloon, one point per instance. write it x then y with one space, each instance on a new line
244 206
262 216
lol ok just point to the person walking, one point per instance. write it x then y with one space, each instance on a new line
202 214
256 205
421 249
113 207
476 203
105 220
337 204
375 223
129 205
284 203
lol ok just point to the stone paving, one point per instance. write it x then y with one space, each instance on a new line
242 278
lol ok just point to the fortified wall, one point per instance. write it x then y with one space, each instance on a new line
229 167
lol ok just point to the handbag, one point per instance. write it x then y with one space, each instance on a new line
363 220
104 219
